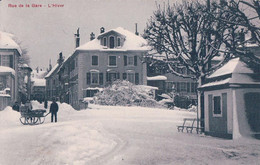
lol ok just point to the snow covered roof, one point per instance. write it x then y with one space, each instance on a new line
233 66
235 72
146 87
39 82
52 70
157 78
95 88
132 42
4 69
7 42
40 74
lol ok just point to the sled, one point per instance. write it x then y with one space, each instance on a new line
32 117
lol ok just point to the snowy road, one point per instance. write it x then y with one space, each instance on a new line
117 136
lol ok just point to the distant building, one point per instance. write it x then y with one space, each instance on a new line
185 89
52 80
38 84
9 54
115 54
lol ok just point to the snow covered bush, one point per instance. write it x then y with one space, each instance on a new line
124 93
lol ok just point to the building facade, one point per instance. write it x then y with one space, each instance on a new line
115 54
53 88
9 54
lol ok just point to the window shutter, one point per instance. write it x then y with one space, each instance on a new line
11 61
118 75
136 78
210 97
107 79
224 103
100 78
125 60
188 87
88 78
124 76
135 60
178 87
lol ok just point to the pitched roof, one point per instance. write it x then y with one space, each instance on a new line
52 70
233 66
132 42
234 72
7 42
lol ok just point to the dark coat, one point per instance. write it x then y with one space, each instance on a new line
54 107
16 107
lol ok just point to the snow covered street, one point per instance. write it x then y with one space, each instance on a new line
115 136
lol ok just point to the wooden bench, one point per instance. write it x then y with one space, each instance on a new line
189 124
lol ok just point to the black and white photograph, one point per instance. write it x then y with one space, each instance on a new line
129 82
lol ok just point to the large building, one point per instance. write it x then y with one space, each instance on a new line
115 54
9 54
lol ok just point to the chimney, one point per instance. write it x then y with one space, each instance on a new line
77 38
50 66
92 36
136 33
102 30
60 60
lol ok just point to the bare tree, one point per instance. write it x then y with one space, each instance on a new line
245 16
189 36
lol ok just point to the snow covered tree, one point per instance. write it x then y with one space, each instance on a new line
124 93
192 34
188 35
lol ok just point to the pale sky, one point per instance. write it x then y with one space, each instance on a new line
45 32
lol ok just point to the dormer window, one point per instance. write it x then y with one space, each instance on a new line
105 41
118 42
111 42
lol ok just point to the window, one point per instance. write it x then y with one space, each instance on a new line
2 82
131 77
183 87
130 60
217 105
111 42
112 76
94 77
6 60
112 61
170 86
105 41
118 42
94 60
193 87
91 93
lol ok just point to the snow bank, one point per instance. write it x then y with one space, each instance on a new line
9 117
